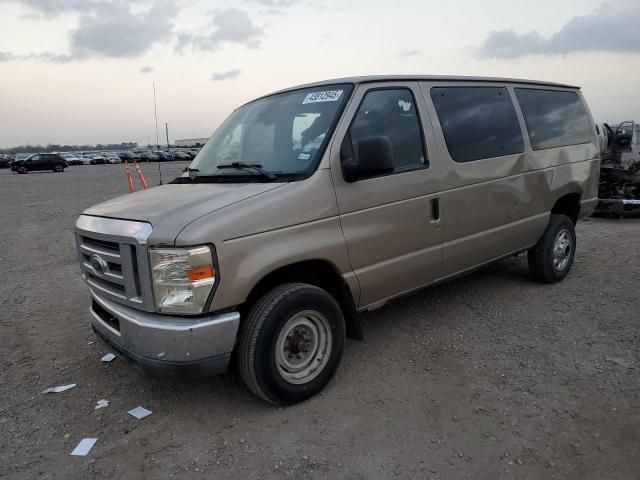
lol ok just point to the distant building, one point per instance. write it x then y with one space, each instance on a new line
191 142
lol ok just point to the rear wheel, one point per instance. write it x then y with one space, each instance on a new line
291 343
58 168
551 259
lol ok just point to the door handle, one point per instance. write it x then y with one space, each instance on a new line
435 210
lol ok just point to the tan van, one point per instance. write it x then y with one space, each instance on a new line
317 202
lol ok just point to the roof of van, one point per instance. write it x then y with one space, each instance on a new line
427 78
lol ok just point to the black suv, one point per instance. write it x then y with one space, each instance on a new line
40 161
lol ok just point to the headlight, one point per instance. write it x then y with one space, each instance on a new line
182 278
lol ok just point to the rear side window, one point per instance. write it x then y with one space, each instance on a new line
554 118
477 122
391 113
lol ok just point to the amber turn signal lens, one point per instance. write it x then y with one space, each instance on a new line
200 273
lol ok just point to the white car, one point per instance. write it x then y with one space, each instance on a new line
73 159
112 158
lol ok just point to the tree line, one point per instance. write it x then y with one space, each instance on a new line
53 147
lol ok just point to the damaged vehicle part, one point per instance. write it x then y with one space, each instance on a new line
619 185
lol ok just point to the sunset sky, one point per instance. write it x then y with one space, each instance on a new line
81 71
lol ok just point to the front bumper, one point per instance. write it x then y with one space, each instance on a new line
165 345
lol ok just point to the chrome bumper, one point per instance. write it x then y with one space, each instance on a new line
161 344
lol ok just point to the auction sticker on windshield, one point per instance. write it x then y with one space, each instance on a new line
326 96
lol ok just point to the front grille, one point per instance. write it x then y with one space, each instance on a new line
101 244
111 265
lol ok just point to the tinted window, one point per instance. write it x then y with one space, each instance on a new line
391 114
477 122
554 118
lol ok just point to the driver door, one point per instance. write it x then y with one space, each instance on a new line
391 222
33 163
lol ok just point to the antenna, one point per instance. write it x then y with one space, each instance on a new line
166 126
155 112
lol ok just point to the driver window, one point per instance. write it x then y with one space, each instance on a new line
391 113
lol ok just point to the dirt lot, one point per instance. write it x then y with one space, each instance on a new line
488 377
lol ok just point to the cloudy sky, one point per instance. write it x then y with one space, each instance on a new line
81 71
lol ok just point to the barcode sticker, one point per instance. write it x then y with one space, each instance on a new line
326 96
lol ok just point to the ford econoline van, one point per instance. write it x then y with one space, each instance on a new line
315 203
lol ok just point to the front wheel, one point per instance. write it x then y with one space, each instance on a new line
291 343
22 170
551 258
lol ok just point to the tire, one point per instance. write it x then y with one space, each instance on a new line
275 366
58 168
22 170
551 258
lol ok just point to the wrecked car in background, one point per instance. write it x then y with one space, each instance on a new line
619 186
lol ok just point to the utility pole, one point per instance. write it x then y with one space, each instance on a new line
155 110
166 127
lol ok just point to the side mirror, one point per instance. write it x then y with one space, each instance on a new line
374 158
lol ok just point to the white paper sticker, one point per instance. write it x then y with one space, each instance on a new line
630 202
139 412
326 96
405 106
59 389
85 445
304 156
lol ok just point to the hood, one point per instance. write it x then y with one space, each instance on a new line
170 208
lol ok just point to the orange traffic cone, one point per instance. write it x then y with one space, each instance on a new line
140 175
129 180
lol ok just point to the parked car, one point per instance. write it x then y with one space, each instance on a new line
193 152
372 188
97 159
129 156
164 156
148 156
112 158
73 159
40 161
5 160
180 155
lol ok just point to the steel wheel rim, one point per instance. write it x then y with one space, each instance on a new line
303 347
562 249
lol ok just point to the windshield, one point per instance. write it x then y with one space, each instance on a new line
283 135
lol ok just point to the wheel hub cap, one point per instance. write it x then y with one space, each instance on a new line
562 248
303 347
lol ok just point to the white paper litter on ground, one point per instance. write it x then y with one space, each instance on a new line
59 389
139 412
85 445
108 357
102 404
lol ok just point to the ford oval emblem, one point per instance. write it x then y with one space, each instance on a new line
98 264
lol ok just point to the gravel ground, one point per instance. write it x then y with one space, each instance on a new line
490 376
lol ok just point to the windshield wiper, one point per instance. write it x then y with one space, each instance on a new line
255 167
